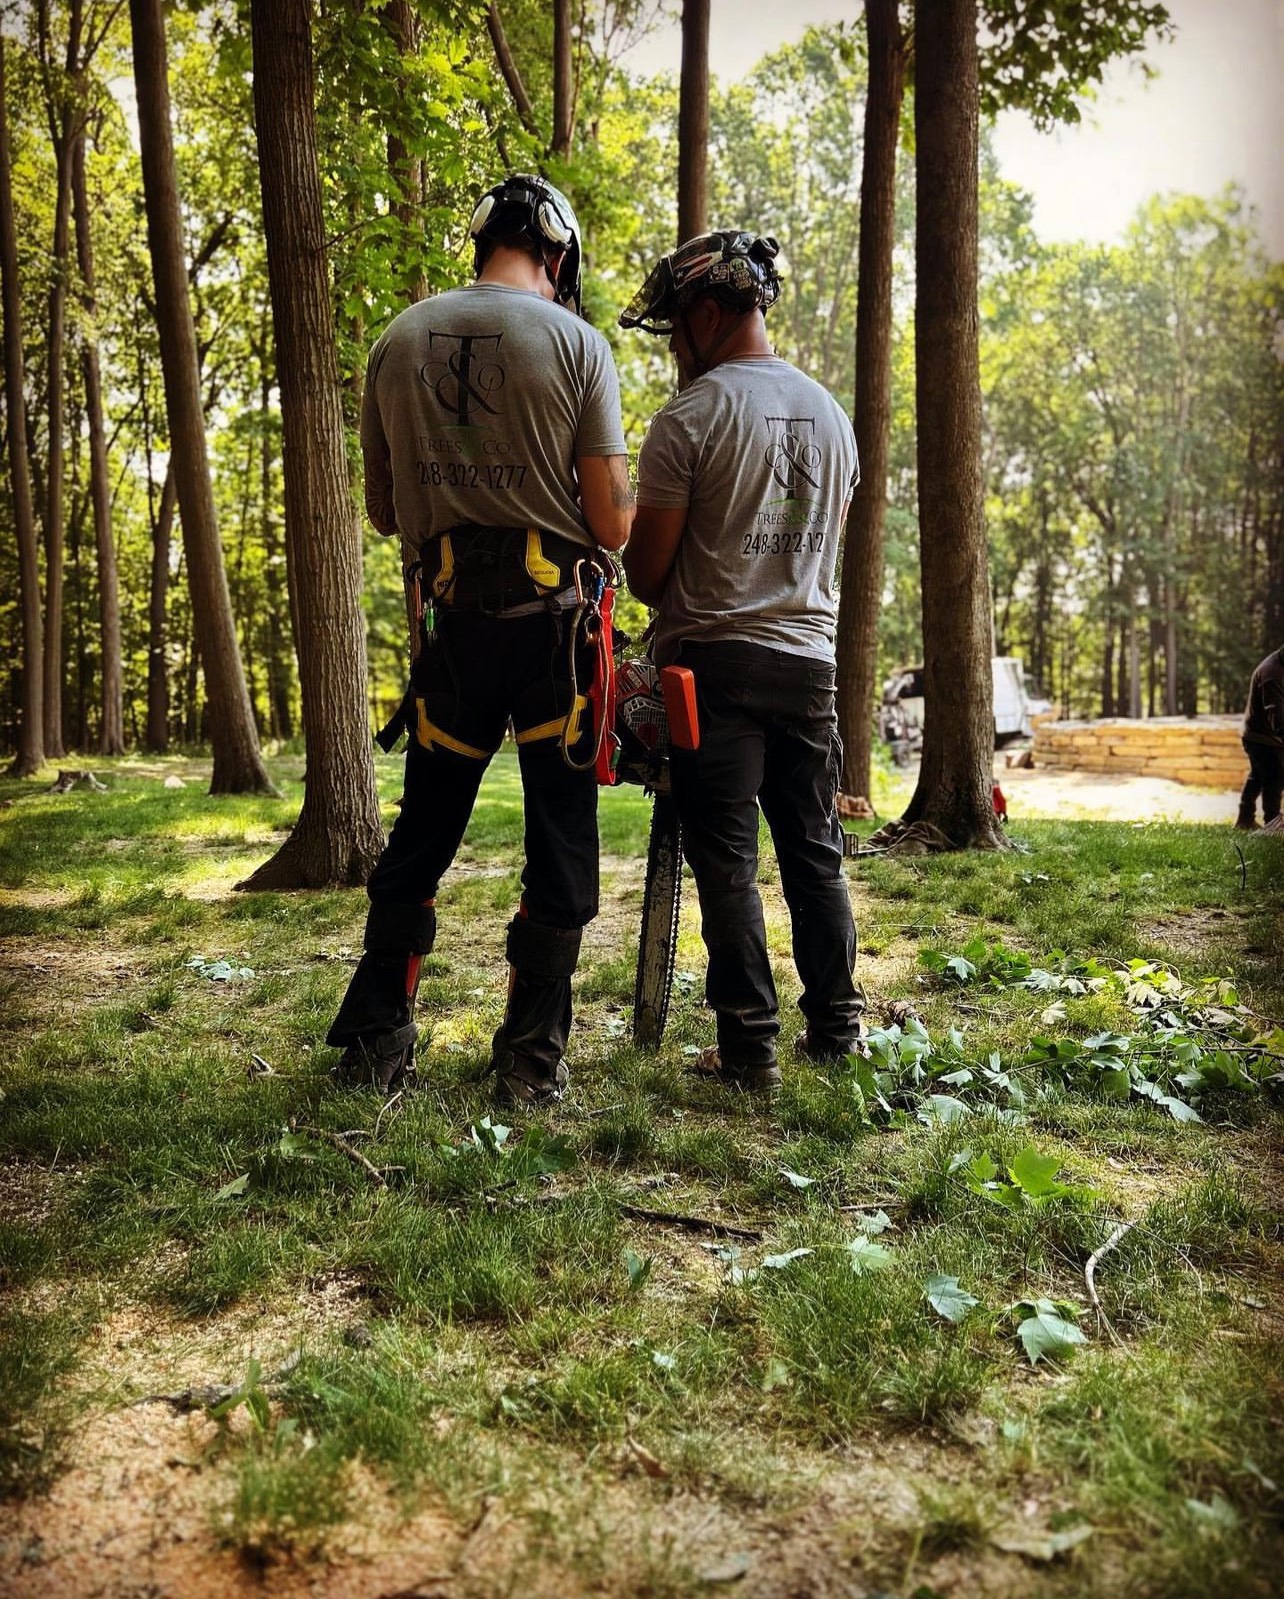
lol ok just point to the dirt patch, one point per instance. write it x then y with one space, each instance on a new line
1099 797
137 1517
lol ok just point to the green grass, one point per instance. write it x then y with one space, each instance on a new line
495 1321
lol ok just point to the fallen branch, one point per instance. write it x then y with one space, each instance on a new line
337 1141
205 1396
1090 1275
695 1224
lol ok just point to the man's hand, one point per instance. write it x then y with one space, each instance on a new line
657 532
606 498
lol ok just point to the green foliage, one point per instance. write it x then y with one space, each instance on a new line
1045 58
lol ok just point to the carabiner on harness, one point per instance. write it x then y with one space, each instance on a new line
591 624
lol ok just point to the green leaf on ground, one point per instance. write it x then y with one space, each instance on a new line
947 1298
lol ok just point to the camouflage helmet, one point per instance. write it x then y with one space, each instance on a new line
737 268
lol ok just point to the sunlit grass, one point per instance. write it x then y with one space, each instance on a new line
516 1310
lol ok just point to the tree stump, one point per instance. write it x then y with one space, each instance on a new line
67 780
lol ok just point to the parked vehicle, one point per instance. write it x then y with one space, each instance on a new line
900 716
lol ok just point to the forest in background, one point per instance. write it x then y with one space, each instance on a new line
1133 445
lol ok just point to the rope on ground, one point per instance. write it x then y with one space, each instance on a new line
1090 1275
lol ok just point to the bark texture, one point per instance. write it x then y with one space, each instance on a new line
953 805
693 121
338 836
238 762
861 588
31 734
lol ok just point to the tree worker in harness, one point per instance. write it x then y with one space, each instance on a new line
1263 740
743 485
493 445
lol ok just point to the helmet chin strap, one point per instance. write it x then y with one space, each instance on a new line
558 296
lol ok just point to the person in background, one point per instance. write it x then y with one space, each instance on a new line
1264 742
493 446
743 485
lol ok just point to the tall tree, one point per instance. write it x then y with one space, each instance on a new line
31 747
338 836
111 738
65 115
861 587
693 121
238 762
952 805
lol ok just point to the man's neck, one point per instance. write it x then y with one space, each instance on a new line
749 341
514 269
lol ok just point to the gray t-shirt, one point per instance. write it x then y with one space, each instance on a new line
477 402
764 459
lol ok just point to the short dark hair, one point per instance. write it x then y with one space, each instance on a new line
518 239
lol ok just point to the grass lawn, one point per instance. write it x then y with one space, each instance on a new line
994 1308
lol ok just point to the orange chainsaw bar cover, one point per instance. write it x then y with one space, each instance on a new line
677 684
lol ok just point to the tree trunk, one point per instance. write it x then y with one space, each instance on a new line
405 170
693 121
238 762
157 611
280 715
563 82
508 70
55 526
953 804
31 737
338 836
861 589
111 739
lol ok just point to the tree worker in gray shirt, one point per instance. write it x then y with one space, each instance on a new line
493 446
1263 740
743 485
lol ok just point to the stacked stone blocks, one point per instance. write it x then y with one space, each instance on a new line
1204 751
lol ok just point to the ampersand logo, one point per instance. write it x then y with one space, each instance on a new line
793 458
465 375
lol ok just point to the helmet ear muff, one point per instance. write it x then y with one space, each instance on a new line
481 215
551 225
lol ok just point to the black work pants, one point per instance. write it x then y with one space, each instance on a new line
1265 781
769 737
479 672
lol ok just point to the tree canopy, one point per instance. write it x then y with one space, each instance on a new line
1132 472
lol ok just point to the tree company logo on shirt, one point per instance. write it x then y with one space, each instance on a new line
792 456
462 373
795 460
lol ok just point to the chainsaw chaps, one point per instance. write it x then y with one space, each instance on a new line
661 905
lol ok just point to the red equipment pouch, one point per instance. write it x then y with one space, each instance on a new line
677 684
601 695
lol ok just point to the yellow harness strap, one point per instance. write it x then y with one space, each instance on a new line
446 572
430 736
567 728
541 571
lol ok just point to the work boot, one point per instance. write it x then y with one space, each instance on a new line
522 1083
823 1052
744 1079
527 1050
1246 821
382 1061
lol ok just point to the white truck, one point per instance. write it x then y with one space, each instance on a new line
900 717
